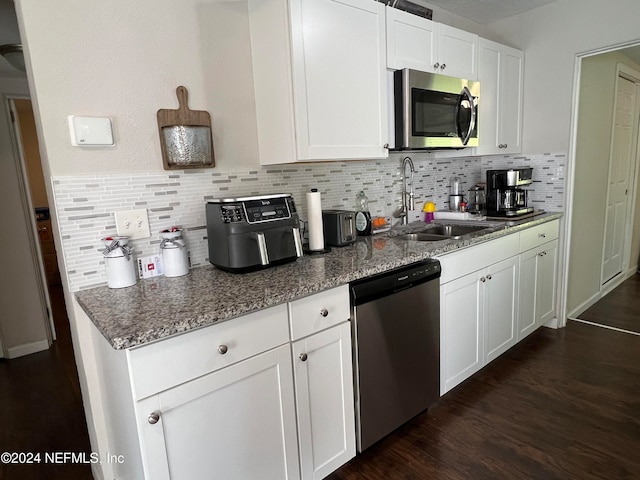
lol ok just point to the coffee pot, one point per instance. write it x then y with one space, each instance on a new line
477 199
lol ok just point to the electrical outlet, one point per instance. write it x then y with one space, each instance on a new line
133 224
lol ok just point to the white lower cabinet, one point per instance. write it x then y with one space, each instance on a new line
324 401
538 282
268 395
478 316
237 422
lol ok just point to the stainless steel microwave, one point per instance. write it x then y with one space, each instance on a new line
434 111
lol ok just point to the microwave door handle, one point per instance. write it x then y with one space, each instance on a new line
297 241
466 95
262 247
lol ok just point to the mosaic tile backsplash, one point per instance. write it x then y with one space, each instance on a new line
85 204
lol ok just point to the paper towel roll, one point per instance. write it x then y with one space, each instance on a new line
314 217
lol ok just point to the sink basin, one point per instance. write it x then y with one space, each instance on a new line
453 230
442 232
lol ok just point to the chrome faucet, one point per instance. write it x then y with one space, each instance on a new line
407 206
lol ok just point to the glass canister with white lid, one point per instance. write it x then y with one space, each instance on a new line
173 248
118 261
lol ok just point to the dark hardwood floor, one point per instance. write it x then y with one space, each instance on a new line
563 404
615 309
41 408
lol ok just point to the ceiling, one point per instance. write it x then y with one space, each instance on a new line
487 11
8 34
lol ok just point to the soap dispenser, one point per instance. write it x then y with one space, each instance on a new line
363 216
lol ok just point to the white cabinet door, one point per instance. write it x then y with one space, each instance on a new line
500 307
421 44
461 330
238 421
538 281
501 76
458 53
411 41
324 396
546 283
527 321
320 79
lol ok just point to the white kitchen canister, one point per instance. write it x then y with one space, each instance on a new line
118 260
175 260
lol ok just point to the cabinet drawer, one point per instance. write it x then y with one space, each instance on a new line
173 361
462 262
319 311
536 236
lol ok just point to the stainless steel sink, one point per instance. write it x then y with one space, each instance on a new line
442 232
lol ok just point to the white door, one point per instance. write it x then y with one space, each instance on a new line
527 322
237 423
457 53
622 152
500 307
324 396
546 283
461 335
511 97
339 68
411 41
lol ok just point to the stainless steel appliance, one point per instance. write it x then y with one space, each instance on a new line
434 111
248 233
505 195
396 335
339 227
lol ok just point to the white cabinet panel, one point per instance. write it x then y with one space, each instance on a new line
500 308
547 283
326 97
458 53
527 321
239 420
411 41
324 396
501 76
319 311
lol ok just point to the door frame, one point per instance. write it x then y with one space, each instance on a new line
632 75
28 210
570 191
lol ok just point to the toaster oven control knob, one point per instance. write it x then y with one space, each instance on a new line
324 312
303 357
154 418
222 349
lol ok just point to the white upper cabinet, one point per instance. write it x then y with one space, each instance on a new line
320 79
501 76
421 44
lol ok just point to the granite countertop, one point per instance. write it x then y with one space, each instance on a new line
159 307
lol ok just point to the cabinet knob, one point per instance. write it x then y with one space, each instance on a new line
488 277
443 66
386 145
42 229
324 312
542 235
154 417
303 357
222 349
483 279
437 65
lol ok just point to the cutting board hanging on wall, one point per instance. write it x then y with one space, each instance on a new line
185 136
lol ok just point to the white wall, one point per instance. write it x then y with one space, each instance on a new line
23 322
551 37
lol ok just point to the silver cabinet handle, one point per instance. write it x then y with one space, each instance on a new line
443 66
222 349
542 235
324 312
386 145
488 277
297 241
262 247
482 279
437 65
303 357
154 417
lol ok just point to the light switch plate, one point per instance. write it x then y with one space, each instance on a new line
91 131
133 224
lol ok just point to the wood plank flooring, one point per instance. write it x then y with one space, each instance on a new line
41 408
563 404
620 308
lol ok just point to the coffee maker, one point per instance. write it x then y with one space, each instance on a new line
505 195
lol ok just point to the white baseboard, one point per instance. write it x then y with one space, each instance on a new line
27 349
584 305
604 291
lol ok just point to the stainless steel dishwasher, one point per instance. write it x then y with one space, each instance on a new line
396 337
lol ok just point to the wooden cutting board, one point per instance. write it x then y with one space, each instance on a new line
185 135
